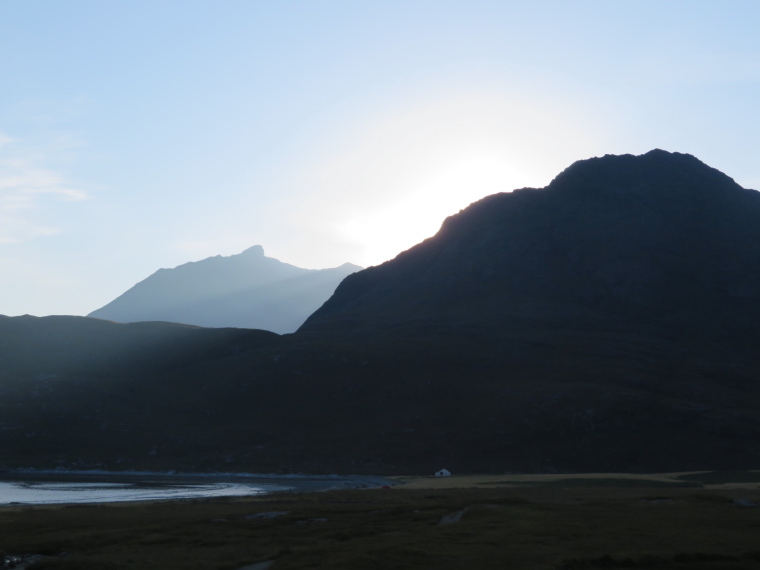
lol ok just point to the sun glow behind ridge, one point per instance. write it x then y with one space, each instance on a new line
418 213
390 182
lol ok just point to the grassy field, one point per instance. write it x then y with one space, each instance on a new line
552 522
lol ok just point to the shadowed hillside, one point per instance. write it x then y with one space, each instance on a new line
607 322
659 240
248 290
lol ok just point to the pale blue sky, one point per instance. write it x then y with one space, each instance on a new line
145 134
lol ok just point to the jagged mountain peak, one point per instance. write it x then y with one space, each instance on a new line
253 251
656 168
245 290
632 236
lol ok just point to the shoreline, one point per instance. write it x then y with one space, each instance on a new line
176 474
352 481
40 487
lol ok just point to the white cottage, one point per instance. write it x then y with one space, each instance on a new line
443 473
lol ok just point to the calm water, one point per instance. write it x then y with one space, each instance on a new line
41 488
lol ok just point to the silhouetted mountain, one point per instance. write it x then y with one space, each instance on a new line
659 239
607 322
248 290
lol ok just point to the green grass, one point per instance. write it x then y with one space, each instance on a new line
684 561
721 477
598 482
529 527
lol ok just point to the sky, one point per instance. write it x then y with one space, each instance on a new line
145 134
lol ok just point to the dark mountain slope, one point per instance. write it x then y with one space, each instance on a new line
80 345
659 239
82 392
608 322
248 290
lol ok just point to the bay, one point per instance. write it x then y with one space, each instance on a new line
41 488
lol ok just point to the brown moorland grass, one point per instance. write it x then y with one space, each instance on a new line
541 522
592 479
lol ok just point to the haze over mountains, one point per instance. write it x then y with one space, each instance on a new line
607 322
248 290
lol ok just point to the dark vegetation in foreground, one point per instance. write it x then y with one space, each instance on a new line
547 527
606 323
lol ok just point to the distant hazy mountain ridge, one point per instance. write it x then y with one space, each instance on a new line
248 290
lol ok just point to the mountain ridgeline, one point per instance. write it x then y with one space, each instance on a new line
248 290
655 240
607 322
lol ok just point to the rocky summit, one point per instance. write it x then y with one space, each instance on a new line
247 290
607 322
656 240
